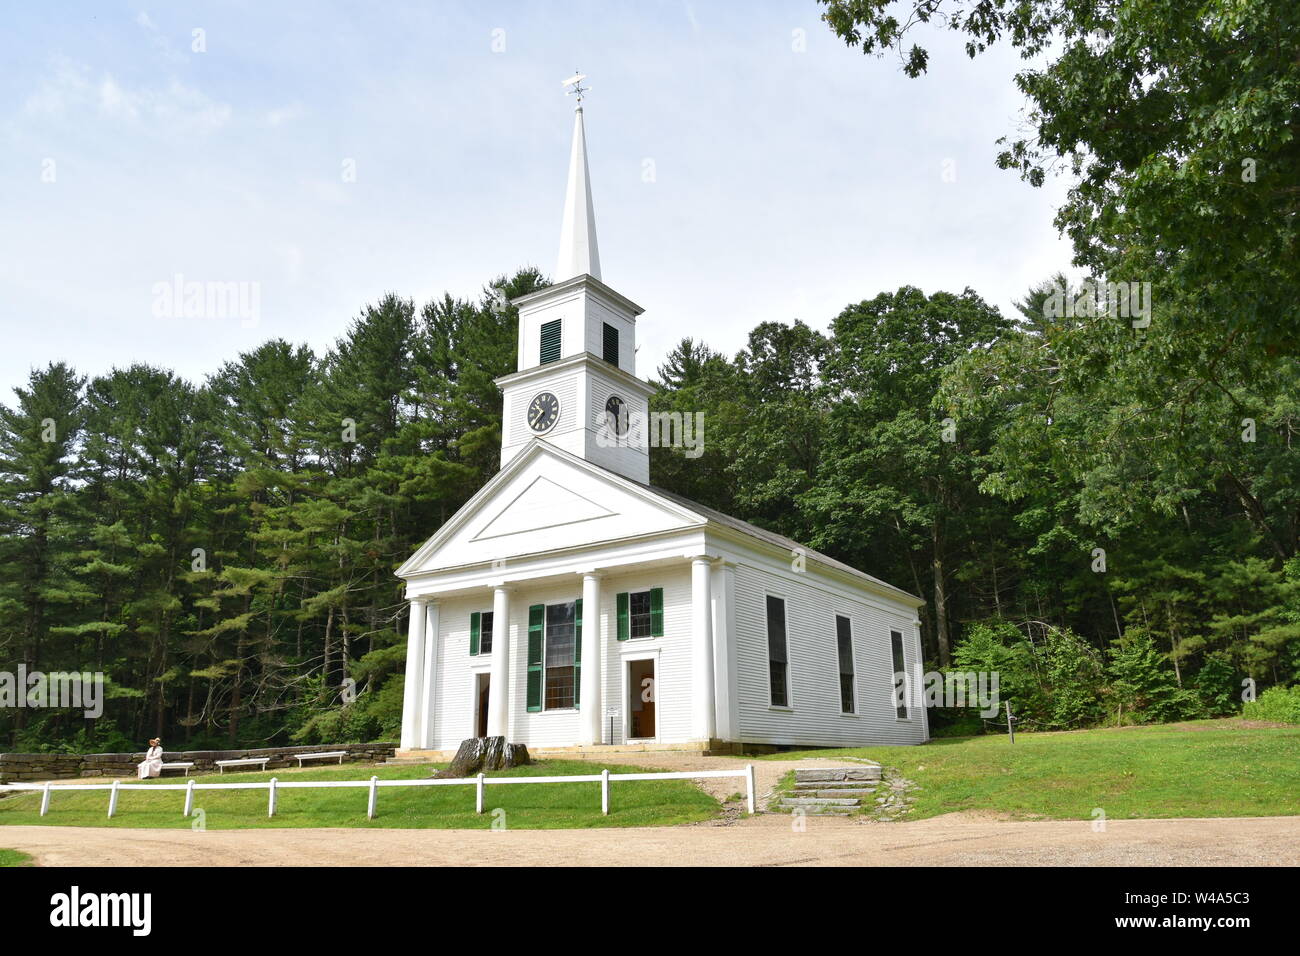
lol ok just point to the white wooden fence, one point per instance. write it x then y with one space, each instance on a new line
479 783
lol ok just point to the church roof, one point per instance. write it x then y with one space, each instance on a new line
771 537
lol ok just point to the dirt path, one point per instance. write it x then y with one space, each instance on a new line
767 840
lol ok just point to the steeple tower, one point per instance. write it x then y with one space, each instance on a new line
579 253
576 384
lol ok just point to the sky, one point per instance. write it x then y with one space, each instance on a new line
746 166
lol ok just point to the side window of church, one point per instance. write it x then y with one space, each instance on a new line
609 344
900 673
480 633
640 614
550 341
777 660
561 672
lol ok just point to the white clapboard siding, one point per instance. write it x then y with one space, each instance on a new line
454 706
673 668
814 716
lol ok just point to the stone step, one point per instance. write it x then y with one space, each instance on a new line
820 802
837 774
835 784
823 811
834 794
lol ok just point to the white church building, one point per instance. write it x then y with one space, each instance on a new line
570 604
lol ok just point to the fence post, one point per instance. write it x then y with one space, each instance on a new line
749 786
374 789
45 799
478 794
189 799
604 791
112 800
270 807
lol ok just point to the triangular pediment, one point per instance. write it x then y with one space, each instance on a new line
542 504
547 500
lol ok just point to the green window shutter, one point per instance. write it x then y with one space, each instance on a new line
551 345
622 616
609 344
475 629
536 620
577 652
656 612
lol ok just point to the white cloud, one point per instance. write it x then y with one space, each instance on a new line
283 114
173 107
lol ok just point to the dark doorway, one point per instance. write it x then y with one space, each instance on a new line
481 711
641 699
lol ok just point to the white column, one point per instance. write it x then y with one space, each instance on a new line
499 687
724 656
705 712
593 643
427 728
413 690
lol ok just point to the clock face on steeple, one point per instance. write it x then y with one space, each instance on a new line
616 414
543 411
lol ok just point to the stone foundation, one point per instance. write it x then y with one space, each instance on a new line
16 768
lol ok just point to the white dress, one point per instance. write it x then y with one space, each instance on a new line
151 766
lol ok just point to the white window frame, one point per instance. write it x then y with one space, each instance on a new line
767 653
546 638
853 662
902 649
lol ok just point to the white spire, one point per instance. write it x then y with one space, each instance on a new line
578 251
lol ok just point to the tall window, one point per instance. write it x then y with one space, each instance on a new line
550 341
844 642
900 673
561 681
777 664
609 344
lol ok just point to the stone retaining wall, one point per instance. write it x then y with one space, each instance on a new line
21 767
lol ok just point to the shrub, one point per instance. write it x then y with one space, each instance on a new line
1279 704
1215 685
1142 685
1076 679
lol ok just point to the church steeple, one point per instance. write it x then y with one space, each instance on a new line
576 385
579 254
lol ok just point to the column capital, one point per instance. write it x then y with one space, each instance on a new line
709 559
423 600
503 585
590 573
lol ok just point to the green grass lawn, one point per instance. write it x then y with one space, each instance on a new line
526 806
1197 769
14 858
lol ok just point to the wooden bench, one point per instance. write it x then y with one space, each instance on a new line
325 755
187 767
244 762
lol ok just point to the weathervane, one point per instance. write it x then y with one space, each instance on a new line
575 87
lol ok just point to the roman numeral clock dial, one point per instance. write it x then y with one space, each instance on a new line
543 411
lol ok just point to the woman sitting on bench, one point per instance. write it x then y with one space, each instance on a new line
151 766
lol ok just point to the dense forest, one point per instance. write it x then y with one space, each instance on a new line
1103 507
1116 543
